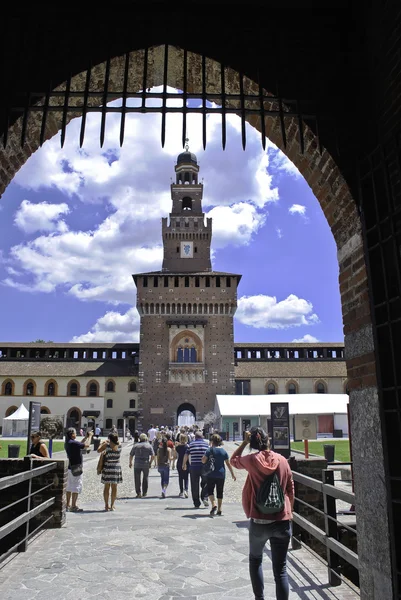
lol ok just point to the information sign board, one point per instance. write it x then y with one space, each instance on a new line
280 418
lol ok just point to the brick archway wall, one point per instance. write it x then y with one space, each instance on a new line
331 190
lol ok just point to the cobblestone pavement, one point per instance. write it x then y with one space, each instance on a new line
152 548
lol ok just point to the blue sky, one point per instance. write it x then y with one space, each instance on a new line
75 224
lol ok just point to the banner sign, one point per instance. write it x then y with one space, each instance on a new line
280 420
52 427
305 427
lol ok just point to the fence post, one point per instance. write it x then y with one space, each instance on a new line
27 505
296 530
330 526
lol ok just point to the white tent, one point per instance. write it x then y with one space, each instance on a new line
299 404
256 408
16 425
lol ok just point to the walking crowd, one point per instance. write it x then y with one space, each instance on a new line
267 497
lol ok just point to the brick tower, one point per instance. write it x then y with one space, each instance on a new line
186 311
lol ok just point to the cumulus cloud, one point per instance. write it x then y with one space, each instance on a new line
113 327
297 209
279 233
307 338
91 265
235 224
264 312
43 216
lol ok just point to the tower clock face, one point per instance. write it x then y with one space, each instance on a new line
187 249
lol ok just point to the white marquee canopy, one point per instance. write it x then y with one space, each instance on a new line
17 423
299 404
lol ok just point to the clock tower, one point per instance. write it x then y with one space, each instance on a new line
186 238
186 311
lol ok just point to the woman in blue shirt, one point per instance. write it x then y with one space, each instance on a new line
216 477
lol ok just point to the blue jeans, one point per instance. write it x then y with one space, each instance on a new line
164 475
279 534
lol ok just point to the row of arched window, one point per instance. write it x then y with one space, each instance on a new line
73 388
292 388
186 309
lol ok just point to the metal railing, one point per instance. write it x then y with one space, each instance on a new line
329 535
21 524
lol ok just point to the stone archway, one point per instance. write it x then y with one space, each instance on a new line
186 414
331 190
74 416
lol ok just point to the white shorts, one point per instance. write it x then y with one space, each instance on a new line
74 484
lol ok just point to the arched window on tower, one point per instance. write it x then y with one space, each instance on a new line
320 388
292 388
187 203
180 354
271 389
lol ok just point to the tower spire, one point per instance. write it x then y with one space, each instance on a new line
187 238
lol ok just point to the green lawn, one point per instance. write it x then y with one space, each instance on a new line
57 446
341 451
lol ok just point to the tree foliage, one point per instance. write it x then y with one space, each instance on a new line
209 418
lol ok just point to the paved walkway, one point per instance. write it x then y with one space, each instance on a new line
155 549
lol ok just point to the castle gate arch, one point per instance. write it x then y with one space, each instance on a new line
368 336
186 414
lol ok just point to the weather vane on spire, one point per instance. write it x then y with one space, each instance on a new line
186 144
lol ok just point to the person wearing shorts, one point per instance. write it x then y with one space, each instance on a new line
74 480
216 478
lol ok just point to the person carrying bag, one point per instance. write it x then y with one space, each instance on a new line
268 500
214 462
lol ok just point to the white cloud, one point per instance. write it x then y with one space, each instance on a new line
279 233
113 327
297 209
307 338
41 217
280 162
265 312
88 265
235 224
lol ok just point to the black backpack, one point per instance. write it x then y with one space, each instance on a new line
270 497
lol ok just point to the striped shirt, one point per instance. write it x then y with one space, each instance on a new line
196 451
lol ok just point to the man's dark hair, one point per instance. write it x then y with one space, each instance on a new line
259 439
113 437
